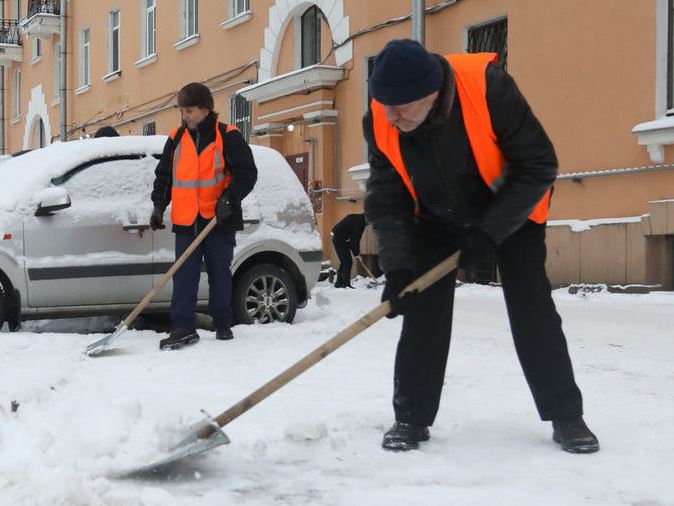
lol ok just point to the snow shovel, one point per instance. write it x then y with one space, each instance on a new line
208 434
374 283
102 344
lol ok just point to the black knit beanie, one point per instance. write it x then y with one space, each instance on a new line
195 95
404 72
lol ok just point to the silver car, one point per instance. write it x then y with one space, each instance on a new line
74 224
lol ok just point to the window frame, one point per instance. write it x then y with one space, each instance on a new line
85 57
57 70
234 9
483 25
189 18
114 29
310 46
149 128
239 117
148 45
16 94
35 50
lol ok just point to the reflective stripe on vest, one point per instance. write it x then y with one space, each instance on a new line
198 178
471 85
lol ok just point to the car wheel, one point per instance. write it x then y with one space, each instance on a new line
3 307
10 309
264 294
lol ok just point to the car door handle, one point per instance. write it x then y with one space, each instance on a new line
136 228
130 228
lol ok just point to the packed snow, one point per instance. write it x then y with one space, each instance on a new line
67 422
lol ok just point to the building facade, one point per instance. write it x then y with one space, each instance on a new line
292 74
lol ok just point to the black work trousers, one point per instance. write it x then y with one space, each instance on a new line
536 328
344 255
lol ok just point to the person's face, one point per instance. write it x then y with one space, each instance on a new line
408 117
192 116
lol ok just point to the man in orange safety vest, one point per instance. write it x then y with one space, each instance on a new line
459 161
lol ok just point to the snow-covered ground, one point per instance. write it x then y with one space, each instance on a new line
316 441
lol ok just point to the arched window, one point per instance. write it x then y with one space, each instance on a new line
39 135
311 36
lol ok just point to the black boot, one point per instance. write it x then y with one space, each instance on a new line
179 338
341 280
223 333
574 436
403 436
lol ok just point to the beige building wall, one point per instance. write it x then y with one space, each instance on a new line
589 70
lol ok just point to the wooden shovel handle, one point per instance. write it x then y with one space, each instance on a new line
421 283
146 300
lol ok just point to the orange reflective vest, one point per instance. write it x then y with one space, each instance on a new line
198 178
471 85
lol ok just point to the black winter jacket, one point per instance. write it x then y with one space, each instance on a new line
450 190
350 230
238 159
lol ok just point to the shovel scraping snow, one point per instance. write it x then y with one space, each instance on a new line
209 434
102 344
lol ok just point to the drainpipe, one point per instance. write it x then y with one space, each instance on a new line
2 109
2 96
312 141
418 21
63 34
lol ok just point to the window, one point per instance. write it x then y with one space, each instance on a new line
113 42
149 128
17 93
311 36
189 25
16 9
237 7
84 57
57 70
36 48
490 38
149 27
239 112
116 182
39 135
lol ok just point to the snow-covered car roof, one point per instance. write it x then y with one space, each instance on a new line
23 175
278 193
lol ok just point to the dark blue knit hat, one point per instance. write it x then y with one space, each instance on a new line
404 72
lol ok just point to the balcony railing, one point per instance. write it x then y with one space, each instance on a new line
43 7
9 32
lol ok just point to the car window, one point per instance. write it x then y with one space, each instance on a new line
112 180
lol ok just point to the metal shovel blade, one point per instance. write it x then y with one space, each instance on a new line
102 344
190 446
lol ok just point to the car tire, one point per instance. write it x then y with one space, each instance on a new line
3 307
263 294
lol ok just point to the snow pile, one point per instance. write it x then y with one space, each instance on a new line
316 441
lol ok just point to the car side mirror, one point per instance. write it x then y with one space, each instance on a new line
50 200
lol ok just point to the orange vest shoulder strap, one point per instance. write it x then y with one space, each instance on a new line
471 86
175 131
387 138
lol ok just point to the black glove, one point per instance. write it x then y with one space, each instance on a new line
476 245
223 209
157 218
396 281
